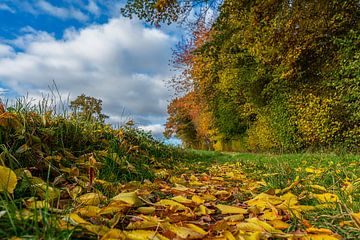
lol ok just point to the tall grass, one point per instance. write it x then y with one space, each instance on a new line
51 150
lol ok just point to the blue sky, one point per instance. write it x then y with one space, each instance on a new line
85 46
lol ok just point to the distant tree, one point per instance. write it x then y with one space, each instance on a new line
88 108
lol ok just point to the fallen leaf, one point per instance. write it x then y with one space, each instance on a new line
198 200
143 235
114 234
225 209
326 197
92 199
278 224
146 210
89 211
8 180
130 198
181 199
173 205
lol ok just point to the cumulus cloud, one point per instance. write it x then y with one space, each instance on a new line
6 51
121 62
155 129
5 7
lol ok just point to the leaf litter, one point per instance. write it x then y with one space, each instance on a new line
223 202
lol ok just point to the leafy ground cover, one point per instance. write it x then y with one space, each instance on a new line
211 196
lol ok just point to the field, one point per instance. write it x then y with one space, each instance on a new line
124 192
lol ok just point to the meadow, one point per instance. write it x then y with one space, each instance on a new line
66 177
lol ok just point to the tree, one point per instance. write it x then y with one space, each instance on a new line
88 108
168 11
263 64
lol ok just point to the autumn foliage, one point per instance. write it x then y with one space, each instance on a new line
271 75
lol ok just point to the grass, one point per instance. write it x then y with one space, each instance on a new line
51 151
59 157
339 174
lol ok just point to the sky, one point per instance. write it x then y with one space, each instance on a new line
86 47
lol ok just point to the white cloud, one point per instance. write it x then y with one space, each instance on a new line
6 51
30 36
93 8
5 7
121 62
61 12
155 129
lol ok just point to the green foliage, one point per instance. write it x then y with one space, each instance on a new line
167 11
39 141
284 75
88 108
261 135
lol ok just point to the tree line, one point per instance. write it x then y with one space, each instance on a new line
266 74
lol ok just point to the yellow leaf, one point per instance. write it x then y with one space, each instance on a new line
222 194
263 199
184 232
326 197
75 192
193 178
31 203
116 219
234 218
146 210
252 236
198 200
320 237
175 179
264 225
130 198
144 223
290 201
319 230
204 211
89 211
225 209
8 180
209 197
196 229
348 187
180 188
173 205
278 224
143 235
89 199
218 179
114 234
318 187
356 217
113 209
314 170
75 219
196 183
269 215
249 227
229 235
181 199
97 229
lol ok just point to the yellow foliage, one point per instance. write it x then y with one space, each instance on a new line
261 135
314 118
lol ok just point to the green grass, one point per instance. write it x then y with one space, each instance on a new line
30 142
336 172
57 147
